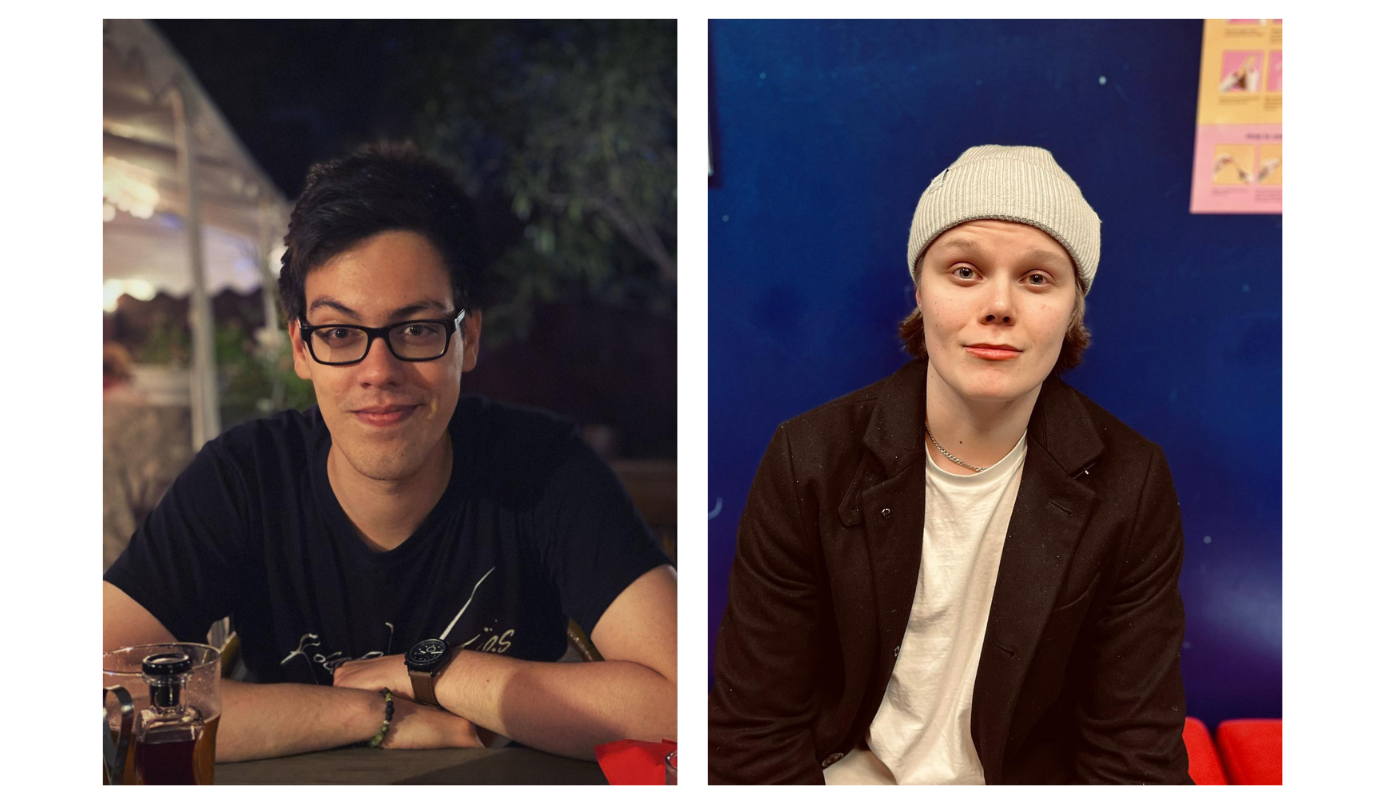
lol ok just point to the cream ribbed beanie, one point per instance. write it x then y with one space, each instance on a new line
1017 184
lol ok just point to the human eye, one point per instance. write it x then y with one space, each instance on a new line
336 336
419 331
1038 279
964 273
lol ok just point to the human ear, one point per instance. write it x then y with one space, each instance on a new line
301 360
919 267
471 340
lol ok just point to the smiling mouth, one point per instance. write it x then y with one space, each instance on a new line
992 352
384 416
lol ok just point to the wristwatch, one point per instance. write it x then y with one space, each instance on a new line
425 661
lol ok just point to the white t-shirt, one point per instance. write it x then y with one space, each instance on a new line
922 732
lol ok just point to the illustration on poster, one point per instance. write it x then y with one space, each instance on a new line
1245 78
1227 161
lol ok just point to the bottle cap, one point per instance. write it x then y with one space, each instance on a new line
166 664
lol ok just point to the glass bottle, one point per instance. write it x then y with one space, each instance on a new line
169 730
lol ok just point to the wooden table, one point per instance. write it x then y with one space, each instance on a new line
510 765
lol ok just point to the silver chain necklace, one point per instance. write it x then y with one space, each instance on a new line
950 456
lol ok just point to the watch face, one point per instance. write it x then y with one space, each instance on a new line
426 653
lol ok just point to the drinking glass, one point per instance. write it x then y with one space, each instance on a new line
122 668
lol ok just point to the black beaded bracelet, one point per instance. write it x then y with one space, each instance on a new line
378 740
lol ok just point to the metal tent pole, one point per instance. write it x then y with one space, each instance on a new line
204 400
272 333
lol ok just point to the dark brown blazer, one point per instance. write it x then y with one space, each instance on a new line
1078 679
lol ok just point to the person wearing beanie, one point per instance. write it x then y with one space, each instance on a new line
967 572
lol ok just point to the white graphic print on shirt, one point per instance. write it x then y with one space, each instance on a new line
497 643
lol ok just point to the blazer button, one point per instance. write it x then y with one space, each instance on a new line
885 512
832 759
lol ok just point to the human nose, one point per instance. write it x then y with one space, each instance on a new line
379 365
999 310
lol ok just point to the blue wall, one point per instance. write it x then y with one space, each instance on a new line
824 136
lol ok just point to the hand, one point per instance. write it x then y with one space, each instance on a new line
375 674
1232 81
420 727
1244 78
1251 78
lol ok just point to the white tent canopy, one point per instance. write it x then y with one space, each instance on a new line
169 156
137 250
238 202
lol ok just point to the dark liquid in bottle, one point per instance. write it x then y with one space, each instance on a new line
167 758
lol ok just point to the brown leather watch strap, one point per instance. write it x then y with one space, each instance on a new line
423 688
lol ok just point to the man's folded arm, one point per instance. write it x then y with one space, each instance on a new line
763 703
569 708
270 720
613 579
1131 715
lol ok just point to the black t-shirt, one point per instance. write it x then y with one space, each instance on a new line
533 529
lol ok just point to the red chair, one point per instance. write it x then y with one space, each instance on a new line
1204 761
1252 750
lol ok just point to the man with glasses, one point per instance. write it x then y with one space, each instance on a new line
398 536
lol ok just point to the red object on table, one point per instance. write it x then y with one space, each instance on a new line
1205 766
632 762
1252 750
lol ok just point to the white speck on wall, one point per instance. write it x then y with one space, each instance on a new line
1103 80
762 76
1245 288
724 218
1207 540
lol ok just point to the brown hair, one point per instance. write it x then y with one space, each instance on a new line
377 188
911 330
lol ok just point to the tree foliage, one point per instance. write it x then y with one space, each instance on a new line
565 134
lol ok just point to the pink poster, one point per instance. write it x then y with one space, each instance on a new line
1238 167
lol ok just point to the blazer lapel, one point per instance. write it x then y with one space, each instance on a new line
1051 510
894 514
887 500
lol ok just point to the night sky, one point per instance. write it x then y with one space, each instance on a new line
300 91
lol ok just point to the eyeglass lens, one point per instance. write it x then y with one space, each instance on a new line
410 340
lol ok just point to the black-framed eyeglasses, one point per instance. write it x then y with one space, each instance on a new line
411 340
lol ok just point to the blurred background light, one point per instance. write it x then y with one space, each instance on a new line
130 188
116 287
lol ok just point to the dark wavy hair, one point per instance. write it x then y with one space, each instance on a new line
911 329
380 187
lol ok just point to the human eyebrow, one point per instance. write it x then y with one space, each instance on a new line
415 309
1050 256
326 302
961 245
